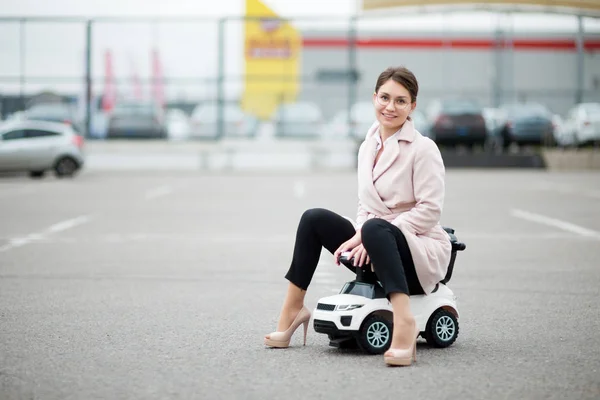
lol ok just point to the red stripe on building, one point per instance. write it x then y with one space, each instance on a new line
520 44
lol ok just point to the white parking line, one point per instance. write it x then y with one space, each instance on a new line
158 192
37 236
557 223
68 224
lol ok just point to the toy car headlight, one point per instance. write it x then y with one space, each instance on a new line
348 307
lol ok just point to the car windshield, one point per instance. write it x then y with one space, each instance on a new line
48 111
527 110
133 109
461 107
359 288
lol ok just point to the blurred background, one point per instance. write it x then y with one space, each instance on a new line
495 77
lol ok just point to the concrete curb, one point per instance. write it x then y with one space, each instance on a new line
298 155
226 155
572 159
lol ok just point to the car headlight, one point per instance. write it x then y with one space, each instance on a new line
348 307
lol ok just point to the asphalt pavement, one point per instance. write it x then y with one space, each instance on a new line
161 285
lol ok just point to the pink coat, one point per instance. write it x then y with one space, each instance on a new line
406 188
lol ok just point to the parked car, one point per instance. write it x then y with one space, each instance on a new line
362 118
178 124
236 123
299 120
582 124
420 122
456 121
55 112
136 120
525 124
40 146
493 120
340 126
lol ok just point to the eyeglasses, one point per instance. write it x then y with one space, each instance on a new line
400 103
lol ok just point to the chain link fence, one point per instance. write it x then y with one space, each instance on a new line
193 73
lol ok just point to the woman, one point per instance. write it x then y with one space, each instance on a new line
401 193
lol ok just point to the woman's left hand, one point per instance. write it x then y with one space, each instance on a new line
360 256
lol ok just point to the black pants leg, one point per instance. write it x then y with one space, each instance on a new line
390 256
318 228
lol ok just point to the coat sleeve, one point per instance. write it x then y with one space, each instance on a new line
429 189
361 216
361 213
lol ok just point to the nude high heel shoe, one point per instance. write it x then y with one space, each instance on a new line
282 339
403 357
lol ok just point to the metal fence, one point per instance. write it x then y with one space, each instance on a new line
186 62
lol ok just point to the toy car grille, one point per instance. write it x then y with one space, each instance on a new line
325 307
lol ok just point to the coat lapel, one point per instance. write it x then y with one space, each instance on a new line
392 150
371 200
387 158
368 175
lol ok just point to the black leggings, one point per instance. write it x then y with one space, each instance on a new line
384 242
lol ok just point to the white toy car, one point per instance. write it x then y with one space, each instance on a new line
361 314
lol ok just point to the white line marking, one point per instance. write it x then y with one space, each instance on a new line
158 192
557 223
37 236
68 224
299 189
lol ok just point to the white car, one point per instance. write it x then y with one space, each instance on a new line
582 124
298 120
204 122
39 146
362 117
178 124
361 314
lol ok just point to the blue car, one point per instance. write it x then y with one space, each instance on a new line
525 124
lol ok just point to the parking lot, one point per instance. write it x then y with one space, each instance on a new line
148 285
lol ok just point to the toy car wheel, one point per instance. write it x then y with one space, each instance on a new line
375 335
442 329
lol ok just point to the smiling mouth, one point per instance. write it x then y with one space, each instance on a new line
388 115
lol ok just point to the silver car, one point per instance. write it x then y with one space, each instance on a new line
39 146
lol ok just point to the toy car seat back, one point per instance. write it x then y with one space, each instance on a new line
456 247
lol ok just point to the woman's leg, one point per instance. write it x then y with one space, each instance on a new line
393 264
318 228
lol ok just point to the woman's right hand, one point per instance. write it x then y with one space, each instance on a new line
347 246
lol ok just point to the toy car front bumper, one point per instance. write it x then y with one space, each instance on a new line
337 337
341 321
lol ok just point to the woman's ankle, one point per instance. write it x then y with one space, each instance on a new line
404 320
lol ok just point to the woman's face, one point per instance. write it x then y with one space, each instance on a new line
392 104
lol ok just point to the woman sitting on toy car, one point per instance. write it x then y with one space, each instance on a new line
397 231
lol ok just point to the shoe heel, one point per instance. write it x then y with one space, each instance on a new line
414 354
417 333
305 330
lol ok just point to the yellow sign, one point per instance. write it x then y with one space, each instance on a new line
272 49
580 4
